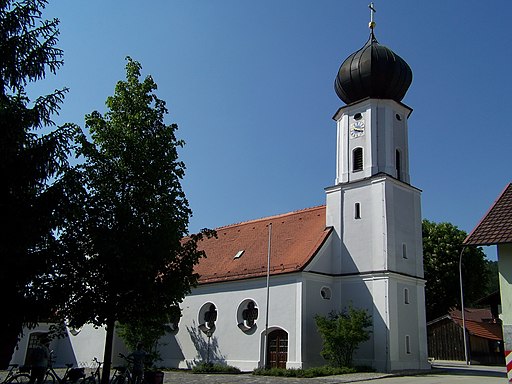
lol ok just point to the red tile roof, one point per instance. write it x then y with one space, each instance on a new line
479 322
473 314
296 238
496 225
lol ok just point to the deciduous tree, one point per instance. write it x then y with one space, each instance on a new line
442 245
130 256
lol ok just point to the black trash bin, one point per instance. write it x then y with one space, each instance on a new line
154 377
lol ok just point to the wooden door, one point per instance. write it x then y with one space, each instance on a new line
277 352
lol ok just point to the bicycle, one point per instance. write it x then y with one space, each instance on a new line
95 376
122 374
71 375
18 377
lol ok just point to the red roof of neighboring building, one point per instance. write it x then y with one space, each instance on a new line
296 238
496 225
479 322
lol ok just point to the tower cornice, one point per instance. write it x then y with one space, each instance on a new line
340 110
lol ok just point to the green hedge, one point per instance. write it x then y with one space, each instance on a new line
310 372
214 368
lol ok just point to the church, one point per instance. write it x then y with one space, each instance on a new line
264 280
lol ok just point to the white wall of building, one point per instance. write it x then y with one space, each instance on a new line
74 348
505 270
229 344
321 296
376 216
379 145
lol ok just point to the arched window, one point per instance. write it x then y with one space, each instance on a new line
357 159
398 165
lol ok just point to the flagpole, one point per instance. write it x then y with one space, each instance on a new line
265 357
468 361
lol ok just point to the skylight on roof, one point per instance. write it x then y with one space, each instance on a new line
239 254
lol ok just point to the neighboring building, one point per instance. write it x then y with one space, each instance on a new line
446 342
364 247
495 228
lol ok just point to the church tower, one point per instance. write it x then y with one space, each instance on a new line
375 211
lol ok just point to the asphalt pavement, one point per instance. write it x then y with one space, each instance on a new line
441 373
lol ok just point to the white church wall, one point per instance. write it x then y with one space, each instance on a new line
388 229
410 345
334 204
20 352
361 234
379 145
87 344
324 258
229 344
357 290
401 139
383 296
386 142
321 296
77 348
405 248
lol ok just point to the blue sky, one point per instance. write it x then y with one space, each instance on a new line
250 84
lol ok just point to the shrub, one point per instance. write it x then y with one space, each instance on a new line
342 332
306 373
214 368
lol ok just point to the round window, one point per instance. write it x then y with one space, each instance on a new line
325 292
207 318
247 314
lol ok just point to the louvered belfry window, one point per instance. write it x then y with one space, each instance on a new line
357 159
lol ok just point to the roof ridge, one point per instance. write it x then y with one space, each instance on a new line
317 207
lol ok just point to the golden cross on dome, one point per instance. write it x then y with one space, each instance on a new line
372 12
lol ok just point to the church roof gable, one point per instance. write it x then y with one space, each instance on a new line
240 251
496 226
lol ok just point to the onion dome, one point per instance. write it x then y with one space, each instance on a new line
374 71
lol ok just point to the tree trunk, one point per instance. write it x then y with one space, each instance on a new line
9 331
107 354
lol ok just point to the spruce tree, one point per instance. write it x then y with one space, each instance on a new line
33 155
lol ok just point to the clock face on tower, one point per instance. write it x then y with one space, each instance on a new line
357 128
